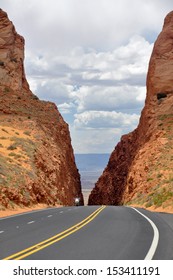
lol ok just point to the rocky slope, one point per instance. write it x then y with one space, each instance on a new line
140 169
36 157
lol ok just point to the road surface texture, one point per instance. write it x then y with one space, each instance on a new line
88 233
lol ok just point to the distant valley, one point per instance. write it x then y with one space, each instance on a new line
90 168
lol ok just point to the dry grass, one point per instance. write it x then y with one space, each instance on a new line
17 149
16 146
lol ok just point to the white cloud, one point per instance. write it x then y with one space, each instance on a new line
91 59
95 141
125 97
103 119
66 108
93 80
101 24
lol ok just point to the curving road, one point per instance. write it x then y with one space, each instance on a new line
90 232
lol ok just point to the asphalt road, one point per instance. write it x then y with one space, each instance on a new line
90 232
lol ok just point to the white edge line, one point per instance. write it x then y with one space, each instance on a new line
155 241
1 231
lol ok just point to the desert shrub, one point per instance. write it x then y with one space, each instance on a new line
161 196
12 154
35 97
149 179
27 146
148 204
12 147
27 133
4 130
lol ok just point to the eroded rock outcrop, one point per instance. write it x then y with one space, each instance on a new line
140 169
37 163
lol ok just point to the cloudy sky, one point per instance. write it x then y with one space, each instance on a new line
91 59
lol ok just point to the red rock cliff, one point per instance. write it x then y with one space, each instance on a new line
36 157
140 168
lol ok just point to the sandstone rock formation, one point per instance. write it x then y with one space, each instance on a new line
36 157
140 169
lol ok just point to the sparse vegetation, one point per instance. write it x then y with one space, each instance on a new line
159 197
35 97
160 124
26 145
27 133
16 156
165 116
12 154
12 147
149 179
4 130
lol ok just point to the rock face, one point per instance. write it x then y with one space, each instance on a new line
37 163
140 168
11 56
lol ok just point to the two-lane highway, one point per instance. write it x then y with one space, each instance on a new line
90 232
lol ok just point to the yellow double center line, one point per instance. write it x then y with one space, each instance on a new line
39 246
